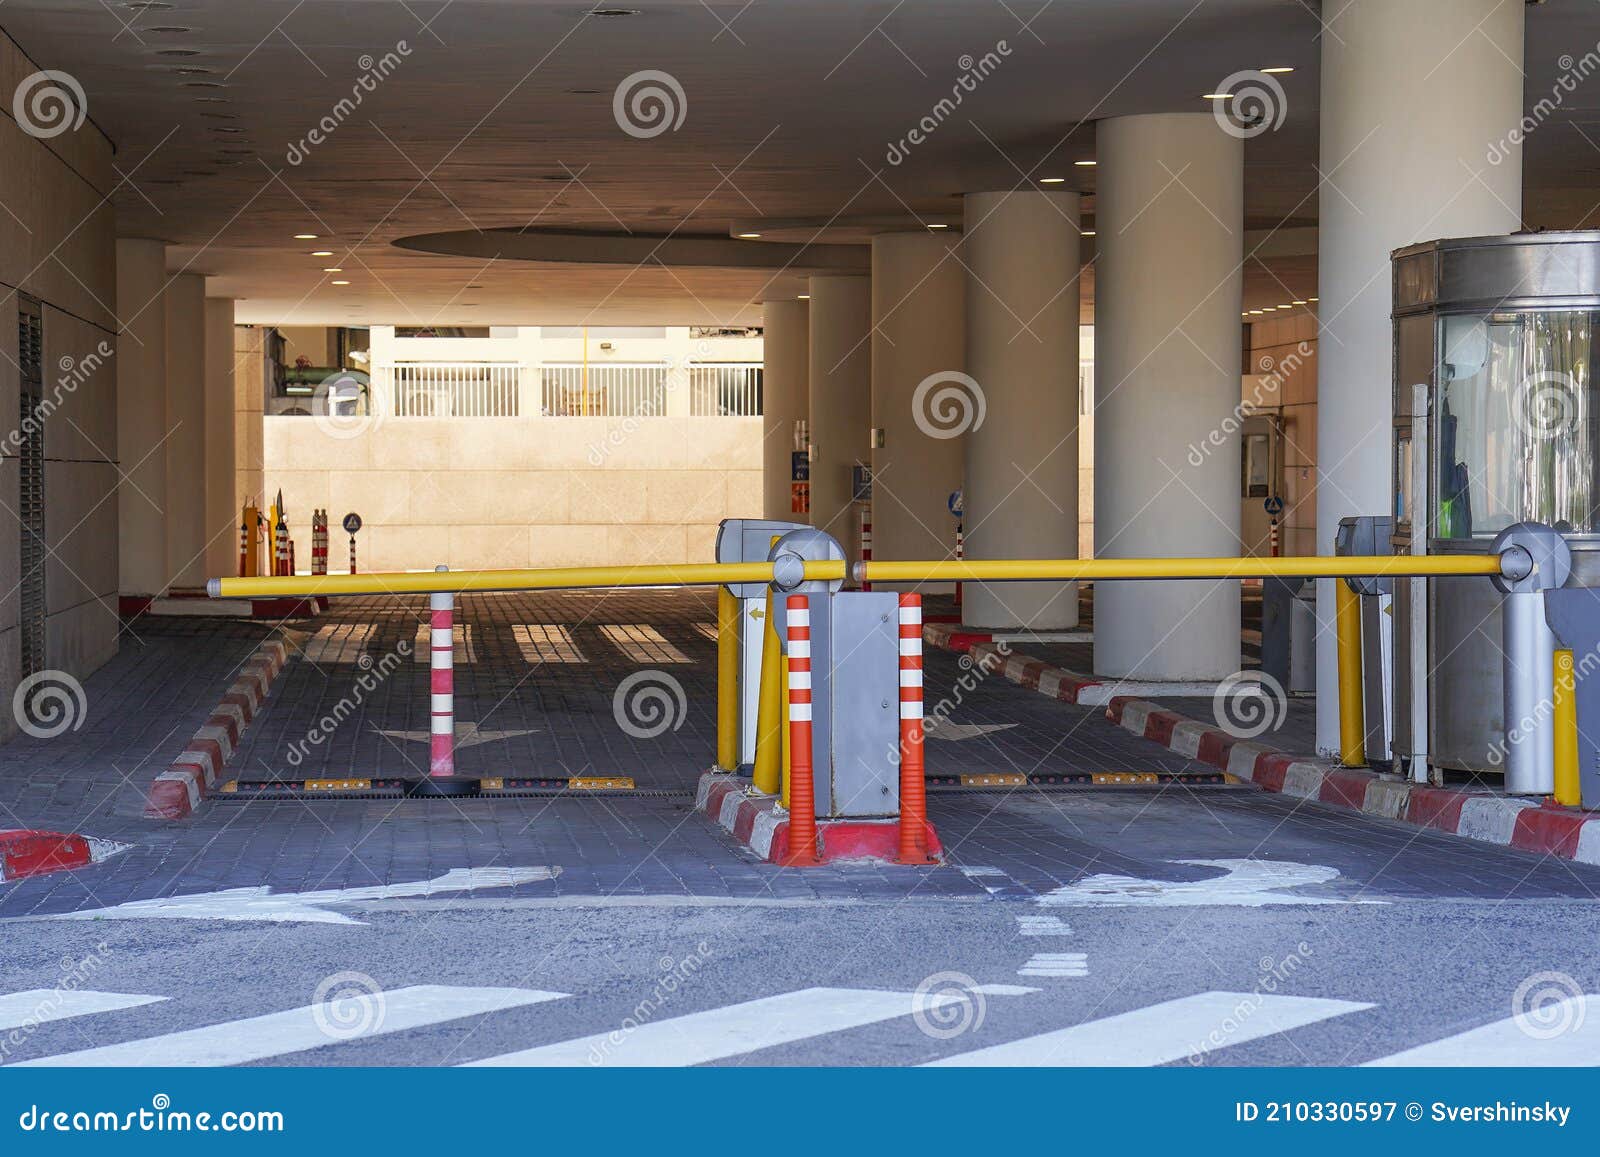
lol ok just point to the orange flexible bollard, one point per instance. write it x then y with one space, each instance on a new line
802 787
913 785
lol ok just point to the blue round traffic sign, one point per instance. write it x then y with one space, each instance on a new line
1274 505
956 502
352 522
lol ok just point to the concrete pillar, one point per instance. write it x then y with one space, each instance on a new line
1021 252
142 415
920 399
1169 220
785 399
221 515
841 399
186 430
1450 167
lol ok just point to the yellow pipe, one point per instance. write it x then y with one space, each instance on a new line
767 774
1066 569
557 578
1565 720
727 680
1352 713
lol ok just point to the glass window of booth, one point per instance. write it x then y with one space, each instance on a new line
1516 426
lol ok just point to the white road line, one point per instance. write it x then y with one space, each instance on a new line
1507 1042
1056 964
720 1033
41 1005
1042 926
1163 1032
276 1034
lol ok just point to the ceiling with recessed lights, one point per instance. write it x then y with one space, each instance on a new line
282 147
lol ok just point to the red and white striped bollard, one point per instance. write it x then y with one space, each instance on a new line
913 785
441 662
802 784
866 538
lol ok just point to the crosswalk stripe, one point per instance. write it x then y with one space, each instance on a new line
41 1005
1507 1042
279 1033
1161 1032
720 1033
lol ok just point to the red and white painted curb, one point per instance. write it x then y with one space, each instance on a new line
998 659
757 822
27 853
195 773
1496 819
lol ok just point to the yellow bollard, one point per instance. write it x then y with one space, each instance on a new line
727 680
1347 634
1568 790
767 775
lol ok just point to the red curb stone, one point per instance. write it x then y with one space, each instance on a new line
1346 787
1215 747
1271 766
1158 725
1433 807
1548 831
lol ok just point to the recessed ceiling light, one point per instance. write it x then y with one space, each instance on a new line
167 28
230 130
749 236
1256 312
475 287
305 236
1051 180
586 92
1311 299
937 225
177 52
1278 69
202 84
341 283
1298 302
322 253
333 269
192 70
1217 96
612 13
802 297
211 99
1088 233
1085 164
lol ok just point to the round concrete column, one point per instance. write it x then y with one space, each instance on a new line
222 514
1021 254
920 400
785 400
186 430
1169 220
841 399
1450 167
142 416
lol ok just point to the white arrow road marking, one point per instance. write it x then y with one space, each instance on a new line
277 1034
307 907
41 1005
1508 1043
720 1033
467 735
1243 884
1160 1033
1056 964
939 727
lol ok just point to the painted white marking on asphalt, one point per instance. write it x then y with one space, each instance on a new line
1243 884
41 1005
720 1033
467 734
1003 989
1042 926
940 727
307 907
1566 1034
277 1034
1163 1032
1056 964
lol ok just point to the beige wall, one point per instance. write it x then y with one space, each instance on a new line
248 397
1282 372
517 492
57 244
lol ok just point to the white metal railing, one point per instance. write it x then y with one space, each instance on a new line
450 389
648 389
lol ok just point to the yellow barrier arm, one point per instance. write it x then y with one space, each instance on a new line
1069 569
555 578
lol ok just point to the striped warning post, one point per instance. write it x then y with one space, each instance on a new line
280 561
866 538
961 553
802 785
913 788
352 554
442 753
